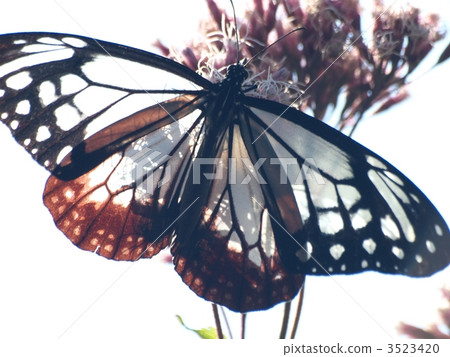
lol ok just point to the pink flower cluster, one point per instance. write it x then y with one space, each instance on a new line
333 58
435 330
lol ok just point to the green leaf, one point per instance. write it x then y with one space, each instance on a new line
204 333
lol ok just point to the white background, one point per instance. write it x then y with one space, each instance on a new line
48 288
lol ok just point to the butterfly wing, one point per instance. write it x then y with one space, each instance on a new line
124 208
286 195
356 211
56 90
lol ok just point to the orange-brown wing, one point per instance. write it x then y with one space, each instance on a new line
225 251
125 207
101 221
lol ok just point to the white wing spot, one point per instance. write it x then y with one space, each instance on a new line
389 228
364 264
369 245
430 246
67 117
63 153
69 195
343 267
304 253
395 187
398 252
391 194
336 251
234 244
254 256
330 222
23 107
330 269
419 258
360 218
394 178
349 195
410 235
377 264
75 42
414 197
375 162
4 116
19 81
43 133
49 41
70 83
47 93
438 230
14 124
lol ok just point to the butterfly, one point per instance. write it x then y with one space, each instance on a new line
249 194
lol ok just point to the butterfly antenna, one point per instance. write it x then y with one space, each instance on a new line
274 43
236 31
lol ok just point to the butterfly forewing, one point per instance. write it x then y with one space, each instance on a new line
357 211
57 90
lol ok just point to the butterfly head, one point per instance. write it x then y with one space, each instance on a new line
236 75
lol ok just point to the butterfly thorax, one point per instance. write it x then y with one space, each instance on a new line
236 75
223 109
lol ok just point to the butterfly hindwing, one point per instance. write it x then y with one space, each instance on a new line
227 253
123 208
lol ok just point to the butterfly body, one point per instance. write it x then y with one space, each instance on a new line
250 195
